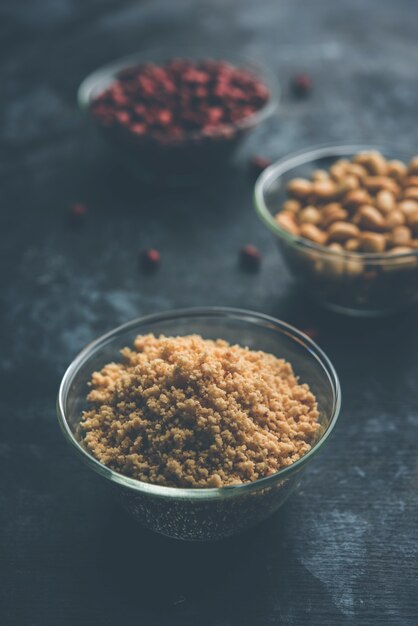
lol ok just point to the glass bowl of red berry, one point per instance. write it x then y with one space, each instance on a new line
177 118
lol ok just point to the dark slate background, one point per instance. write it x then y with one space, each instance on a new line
344 549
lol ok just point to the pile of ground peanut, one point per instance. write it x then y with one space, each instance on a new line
192 412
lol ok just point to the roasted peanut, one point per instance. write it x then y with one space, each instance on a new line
339 169
355 169
385 201
333 213
352 245
410 181
373 242
312 232
400 250
413 166
336 247
310 215
337 172
349 183
291 206
410 193
376 183
299 187
397 170
371 218
355 198
341 231
400 236
320 175
408 207
395 218
287 222
373 161
324 189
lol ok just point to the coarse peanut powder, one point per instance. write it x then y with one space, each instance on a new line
192 412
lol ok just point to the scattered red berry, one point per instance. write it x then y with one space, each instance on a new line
78 212
250 257
302 85
150 259
258 164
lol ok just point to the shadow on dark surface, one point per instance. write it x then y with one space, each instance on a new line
108 183
166 574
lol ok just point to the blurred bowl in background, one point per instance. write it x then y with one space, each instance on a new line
196 154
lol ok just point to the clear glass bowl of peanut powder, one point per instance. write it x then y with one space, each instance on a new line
351 282
204 513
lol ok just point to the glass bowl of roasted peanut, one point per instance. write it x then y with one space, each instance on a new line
346 221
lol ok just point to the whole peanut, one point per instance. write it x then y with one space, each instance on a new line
355 169
397 170
408 207
339 169
349 183
341 231
373 242
333 213
312 232
410 193
299 187
375 183
410 181
310 214
400 250
373 161
395 218
371 218
291 206
385 201
400 236
324 189
320 175
287 222
352 245
356 198
336 247
413 166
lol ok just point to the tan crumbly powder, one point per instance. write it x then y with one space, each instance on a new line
192 412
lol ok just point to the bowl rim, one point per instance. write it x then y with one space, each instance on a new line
198 493
302 157
107 73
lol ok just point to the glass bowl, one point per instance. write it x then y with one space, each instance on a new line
213 513
195 156
347 282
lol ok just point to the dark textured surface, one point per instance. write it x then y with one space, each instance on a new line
344 549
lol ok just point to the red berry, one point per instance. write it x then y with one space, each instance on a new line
150 259
250 257
302 85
